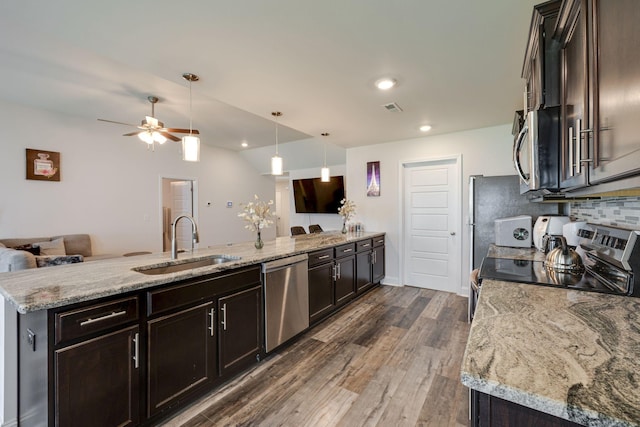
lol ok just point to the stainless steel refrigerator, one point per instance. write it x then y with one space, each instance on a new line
493 197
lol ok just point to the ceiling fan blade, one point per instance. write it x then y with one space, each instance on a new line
178 130
118 123
131 133
169 136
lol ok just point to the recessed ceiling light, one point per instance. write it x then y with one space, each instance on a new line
425 128
244 144
386 83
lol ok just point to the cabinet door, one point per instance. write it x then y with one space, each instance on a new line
240 329
575 113
321 301
345 282
617 89
182 355
97 381
363 271
378 264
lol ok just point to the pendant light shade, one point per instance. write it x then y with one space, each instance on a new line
325 174
190 143
276 161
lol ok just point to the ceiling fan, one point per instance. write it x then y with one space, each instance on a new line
152 130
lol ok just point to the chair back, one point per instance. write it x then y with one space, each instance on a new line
315 228
296 230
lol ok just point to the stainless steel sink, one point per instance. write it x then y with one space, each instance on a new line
187 265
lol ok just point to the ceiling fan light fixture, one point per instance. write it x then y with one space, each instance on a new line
159 138
190 143
146 137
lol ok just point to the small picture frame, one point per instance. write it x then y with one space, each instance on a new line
43 165
373 179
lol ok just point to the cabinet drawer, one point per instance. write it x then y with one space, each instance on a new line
95 318
378 241
320 257
364 245
197 290
344 250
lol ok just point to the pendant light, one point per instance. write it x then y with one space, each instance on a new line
325 175
190 143
276 161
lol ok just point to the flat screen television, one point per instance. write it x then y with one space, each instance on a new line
311 195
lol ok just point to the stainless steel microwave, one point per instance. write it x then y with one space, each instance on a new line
536 151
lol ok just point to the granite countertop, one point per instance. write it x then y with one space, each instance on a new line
50 287
568 353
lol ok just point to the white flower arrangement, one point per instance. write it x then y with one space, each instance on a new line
347 210
257 214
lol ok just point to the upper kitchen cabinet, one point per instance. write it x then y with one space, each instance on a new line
541 67
600 90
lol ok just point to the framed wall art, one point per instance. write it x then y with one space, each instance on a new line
373 179
43 165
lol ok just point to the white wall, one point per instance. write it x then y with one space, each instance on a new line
484 152
326 221
110 185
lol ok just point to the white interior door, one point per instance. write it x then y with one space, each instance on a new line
432 256
182 204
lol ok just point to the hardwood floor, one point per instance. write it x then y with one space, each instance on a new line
392 358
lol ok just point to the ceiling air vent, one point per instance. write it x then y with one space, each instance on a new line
393 107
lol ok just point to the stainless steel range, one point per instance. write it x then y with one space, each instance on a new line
611 258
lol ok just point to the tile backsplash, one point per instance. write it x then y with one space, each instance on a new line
617 211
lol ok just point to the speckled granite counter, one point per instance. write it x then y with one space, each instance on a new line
44 288
571 354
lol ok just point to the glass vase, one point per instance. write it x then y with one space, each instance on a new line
344 227
259 243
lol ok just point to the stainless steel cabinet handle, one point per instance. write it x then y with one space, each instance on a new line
335 273
579 146
517 146
224 316
381 241
105 317
323 257
347 250
572 147
366 245
136 350
212 313
339 268
375 257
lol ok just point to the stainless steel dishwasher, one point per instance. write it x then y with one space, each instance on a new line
286 299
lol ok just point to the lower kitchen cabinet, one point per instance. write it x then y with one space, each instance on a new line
240 330
488 411
377 264
97 382
321 301
345 279
181 355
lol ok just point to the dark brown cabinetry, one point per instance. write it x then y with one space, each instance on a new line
364 257
94 364
600 82
321 288
541 67
345 274
377 262
488 411
182 355
200 330
240 329
97 381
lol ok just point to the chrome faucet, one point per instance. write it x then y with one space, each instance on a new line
194 235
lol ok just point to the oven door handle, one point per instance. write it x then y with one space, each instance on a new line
517 147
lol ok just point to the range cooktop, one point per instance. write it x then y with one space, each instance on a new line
535 273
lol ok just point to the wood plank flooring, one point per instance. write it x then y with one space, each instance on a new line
392 358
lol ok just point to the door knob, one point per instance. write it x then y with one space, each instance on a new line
453 233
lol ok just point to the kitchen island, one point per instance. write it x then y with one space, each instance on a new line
149 334
566 353
45 288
